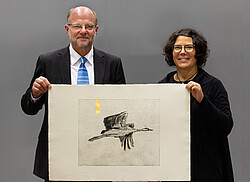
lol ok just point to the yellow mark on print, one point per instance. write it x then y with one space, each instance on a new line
97 106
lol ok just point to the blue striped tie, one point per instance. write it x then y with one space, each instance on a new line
83 78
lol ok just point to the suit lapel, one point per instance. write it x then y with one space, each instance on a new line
64 65
63 61
99 66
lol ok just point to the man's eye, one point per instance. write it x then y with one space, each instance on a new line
89 26
77 26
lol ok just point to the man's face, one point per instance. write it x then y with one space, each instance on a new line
81 38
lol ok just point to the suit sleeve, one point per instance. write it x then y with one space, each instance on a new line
28 106
119 73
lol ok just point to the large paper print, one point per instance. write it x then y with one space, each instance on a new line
119 133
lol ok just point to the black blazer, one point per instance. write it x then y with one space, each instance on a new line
55 66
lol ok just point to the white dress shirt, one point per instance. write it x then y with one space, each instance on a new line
74 66
75 63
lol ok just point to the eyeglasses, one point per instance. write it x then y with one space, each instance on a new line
187 48
78 27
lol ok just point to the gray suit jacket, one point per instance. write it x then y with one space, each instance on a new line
55 66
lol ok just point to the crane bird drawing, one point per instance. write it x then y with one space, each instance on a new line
117 127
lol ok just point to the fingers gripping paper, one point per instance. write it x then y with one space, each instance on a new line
119 132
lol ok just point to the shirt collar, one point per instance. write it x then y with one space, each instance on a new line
75 56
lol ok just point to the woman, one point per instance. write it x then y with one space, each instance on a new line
211 119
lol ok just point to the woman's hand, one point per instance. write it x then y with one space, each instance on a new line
196 90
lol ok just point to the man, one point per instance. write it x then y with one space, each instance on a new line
61 67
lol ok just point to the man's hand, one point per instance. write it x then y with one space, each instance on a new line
40 86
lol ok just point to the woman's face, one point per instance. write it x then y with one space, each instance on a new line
184 53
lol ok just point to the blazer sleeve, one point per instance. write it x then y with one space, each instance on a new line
28 106
216 108
119 77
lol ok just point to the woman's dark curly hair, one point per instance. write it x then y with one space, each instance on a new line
199 41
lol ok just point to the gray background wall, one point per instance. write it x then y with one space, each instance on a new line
135 30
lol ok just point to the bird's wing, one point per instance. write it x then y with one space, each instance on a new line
130 137
122 138
109 121
121 119
116 120
127 141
